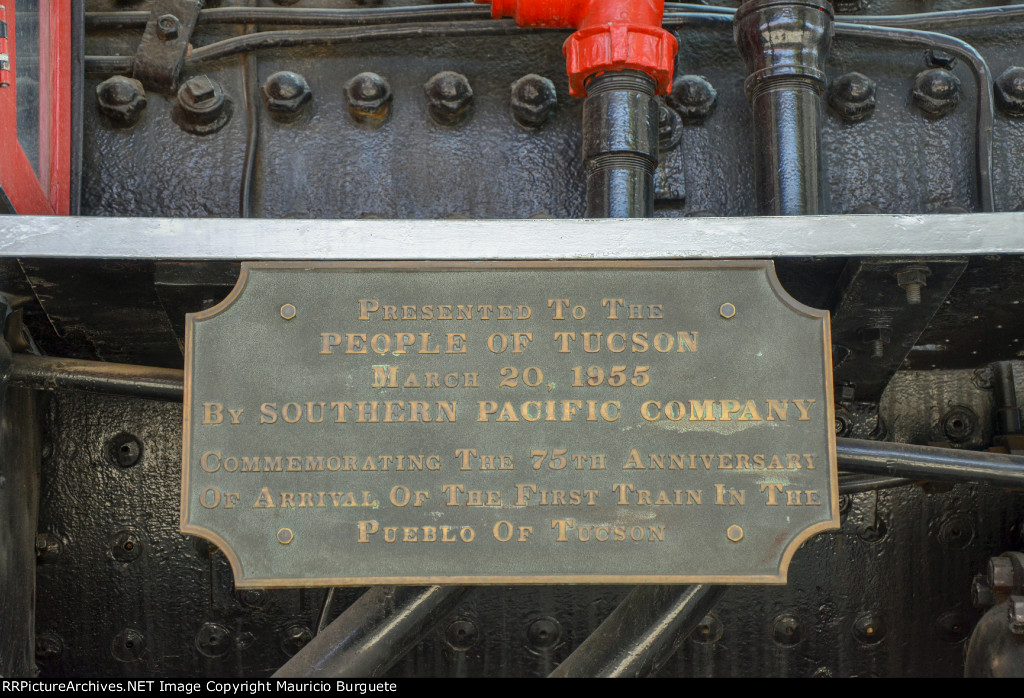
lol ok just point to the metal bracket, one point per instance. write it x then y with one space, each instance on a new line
161 54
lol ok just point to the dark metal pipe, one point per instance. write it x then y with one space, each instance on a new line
48 373
784 44
1007 411
928 463
641 633
620 145
374 632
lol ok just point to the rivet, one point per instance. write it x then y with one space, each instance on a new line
213 640
787 630
294 638
869 628
734 533
288 311
728 311
461 634
285 536
543 633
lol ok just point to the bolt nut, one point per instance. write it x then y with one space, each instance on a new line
285 93
844 421
852 97
449 97
1016 615
981 593
124 450
534 100
48 547
939 59
959 423
213 640
202 106
693 98
369 98
670 128
786 630
936 92
912 280
121 99
168 27
1009 91
1000 575
294 638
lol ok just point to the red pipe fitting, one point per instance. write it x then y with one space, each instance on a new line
611 35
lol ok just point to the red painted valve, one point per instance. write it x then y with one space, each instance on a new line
611 35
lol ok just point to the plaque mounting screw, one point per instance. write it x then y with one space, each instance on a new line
728 311
285 536
288 311
734 533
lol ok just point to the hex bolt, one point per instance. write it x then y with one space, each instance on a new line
286 93
202 106
449 97
852 97
543 633
124 450
121 99
912 280
369 99
981 593
125 546
461 634
1016 615
1009 91
534 100
786 630
869 628
936 92
693 98
128 645
48 547
939 59
670 128
958 423
877 338
294 638
167 27
1000 575
213 640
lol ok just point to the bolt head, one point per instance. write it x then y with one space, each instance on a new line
912 276
202 108
1009 91
286 93
369 98
449 96
121 99
693 98
670 128
1000 574
167 27
936 92
199 91
534 100
852 97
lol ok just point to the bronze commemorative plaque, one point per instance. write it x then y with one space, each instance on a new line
505 423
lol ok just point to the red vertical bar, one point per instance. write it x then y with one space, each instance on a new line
17 177
55 108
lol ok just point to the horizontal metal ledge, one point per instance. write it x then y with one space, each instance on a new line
371 239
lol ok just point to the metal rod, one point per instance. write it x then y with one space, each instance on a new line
641 633
1007 411
929 463
374 632
784 46
48 373
620 145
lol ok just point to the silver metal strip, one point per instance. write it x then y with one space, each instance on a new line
658 238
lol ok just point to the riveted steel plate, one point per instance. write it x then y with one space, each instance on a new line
503 423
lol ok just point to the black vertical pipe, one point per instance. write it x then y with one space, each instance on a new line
641 633
784 44
620 144
1005 392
